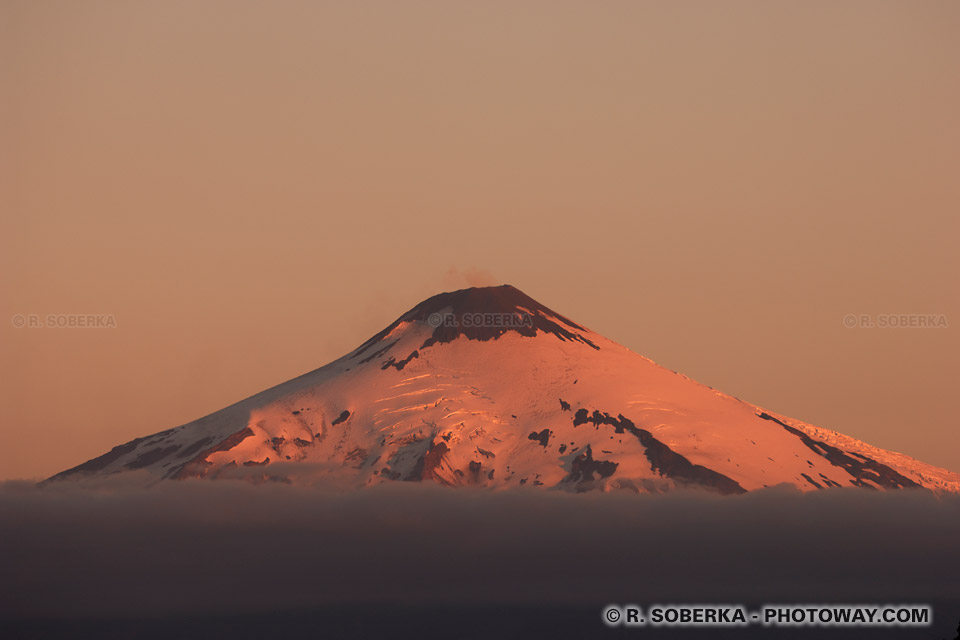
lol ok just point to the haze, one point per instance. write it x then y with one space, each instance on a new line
252 190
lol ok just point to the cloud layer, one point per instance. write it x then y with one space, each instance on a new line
223 547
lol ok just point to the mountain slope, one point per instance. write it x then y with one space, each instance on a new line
488 387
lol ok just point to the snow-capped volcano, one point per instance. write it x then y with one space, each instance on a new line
488 387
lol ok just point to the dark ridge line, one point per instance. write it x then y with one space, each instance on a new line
868 469
663 459
147 458
357 455
828 481
399 364
193 448
379 352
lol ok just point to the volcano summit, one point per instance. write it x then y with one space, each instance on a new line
488 387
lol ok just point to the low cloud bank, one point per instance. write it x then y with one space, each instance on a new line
207 547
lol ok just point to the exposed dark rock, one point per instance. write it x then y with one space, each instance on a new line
526 315
341 418
476 469
100 462
426 467
149 457
663 459
400 364
358 455
542 438
584 466
828 481
198 465
379 352
860 467
193 448
564 406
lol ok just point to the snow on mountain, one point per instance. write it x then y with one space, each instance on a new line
487 387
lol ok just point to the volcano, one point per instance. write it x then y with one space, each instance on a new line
488 387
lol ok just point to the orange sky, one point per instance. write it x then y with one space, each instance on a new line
252 190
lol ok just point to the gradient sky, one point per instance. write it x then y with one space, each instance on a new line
253 189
